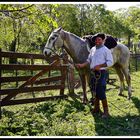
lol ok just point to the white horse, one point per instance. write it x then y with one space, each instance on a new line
78 49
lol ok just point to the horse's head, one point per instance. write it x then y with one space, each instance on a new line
53 42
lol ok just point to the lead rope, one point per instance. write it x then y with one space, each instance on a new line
97 77
121 109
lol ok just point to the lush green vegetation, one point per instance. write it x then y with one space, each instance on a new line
26 27
71 118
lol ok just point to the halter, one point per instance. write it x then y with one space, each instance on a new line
62 53
54 50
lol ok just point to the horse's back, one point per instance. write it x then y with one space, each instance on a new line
124 49
121 54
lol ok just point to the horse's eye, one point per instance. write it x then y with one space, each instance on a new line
52 38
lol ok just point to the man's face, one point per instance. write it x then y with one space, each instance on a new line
98 41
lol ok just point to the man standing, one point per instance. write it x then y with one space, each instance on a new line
99 59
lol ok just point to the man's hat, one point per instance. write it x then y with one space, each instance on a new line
101 35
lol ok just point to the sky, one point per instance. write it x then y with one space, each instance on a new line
109 5
117 5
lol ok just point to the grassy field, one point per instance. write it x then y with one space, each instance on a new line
71 118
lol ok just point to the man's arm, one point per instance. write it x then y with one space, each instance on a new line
82 65
98 67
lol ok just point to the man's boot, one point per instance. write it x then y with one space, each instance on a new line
105 108
96 106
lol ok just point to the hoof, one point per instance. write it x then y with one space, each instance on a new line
105 116
93 111
120 94
85 101
129 95
92 100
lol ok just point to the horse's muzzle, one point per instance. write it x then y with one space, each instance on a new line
47 54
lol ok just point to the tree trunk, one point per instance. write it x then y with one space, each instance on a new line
12 48
129 41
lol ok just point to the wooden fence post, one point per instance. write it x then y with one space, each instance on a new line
63 74
32 63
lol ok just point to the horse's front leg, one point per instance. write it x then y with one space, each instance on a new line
70 79
83 81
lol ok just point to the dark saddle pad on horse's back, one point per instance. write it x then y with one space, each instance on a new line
110 41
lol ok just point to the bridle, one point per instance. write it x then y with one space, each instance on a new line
62 53
54 50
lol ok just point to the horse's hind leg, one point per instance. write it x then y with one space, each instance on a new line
83 81
128 80
90 86
121 78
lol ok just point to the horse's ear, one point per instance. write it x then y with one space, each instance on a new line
59 29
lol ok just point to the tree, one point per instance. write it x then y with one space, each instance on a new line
130 18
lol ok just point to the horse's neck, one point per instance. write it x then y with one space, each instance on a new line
73 45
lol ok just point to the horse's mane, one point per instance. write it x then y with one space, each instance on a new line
77 46
76 37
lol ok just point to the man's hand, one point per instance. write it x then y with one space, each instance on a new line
78 66
97 67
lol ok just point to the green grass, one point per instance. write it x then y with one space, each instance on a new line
71 118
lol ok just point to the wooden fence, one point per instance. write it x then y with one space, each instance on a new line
135 56
136 61
31 83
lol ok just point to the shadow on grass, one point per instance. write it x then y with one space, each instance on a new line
128 125
117 126
136 102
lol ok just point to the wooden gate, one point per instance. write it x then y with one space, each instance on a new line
36 81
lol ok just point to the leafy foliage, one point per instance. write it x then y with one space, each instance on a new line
26 27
